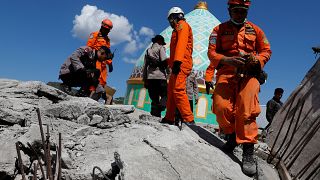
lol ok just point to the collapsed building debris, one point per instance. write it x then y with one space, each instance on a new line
39 155
91 134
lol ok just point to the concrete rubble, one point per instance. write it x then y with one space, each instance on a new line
94 135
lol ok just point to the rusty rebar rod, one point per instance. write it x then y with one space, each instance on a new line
57 175
60 161
43 141
20 163
48 155
35 169
38 158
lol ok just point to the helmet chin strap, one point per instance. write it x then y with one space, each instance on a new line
236 23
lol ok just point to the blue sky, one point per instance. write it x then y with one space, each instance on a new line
37 36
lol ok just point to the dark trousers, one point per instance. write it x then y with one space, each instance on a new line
191 105
157 89
81 79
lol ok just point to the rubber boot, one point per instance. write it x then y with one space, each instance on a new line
166 121
177 118
82 93
249 166
231 143
155 111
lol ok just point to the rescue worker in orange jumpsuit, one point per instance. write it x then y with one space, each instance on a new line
238 46
180 62
95 41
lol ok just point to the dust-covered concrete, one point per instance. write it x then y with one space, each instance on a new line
92 133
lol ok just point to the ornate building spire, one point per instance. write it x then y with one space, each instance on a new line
201 5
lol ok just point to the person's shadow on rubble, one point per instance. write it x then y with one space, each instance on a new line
212 139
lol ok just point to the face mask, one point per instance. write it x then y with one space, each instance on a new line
238 15
104 31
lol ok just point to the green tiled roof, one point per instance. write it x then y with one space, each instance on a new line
202 22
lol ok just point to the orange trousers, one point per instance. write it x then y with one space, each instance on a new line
236 105
177 97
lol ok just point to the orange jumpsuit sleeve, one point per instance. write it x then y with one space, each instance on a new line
92 40
209 72
262 47
183 33
214 43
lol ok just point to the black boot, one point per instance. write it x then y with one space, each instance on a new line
166 121
231 143
249 166
155 111
83 92
65 88
178 119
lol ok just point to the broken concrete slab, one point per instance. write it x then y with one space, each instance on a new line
148 149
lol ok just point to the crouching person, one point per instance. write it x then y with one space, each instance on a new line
79 70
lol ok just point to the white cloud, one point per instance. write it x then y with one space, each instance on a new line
146 31
130 60
131 47
90 20
140 40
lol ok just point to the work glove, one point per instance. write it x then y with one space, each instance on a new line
110 55
237 62
209 85
176 67
110 67
252 66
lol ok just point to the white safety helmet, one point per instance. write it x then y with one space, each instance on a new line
175 10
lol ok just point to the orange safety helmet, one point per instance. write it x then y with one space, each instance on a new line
239 2
107 23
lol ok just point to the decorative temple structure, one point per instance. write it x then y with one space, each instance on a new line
202 23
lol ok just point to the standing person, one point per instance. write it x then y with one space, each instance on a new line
192 89
79 69
180 62
238 50
95 41
155 75
192 92
208 77
273 105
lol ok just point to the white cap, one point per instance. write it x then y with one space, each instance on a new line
175 10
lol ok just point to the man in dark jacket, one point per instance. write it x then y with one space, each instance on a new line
273 105
79 69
